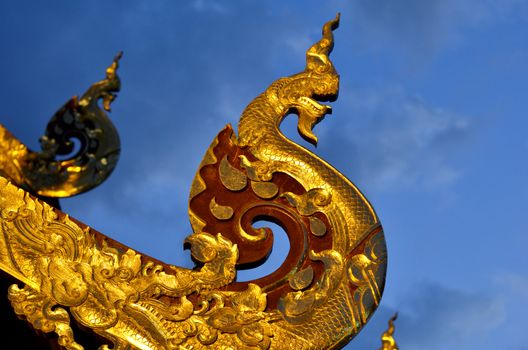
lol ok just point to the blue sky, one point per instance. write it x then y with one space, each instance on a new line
430 124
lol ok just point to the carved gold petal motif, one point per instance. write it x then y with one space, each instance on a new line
231 178
317 226
221 212
302 279
265 190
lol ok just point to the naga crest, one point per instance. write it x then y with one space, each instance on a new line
75 277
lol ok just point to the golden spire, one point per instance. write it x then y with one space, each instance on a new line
387 339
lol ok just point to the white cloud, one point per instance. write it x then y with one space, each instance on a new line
394 140
436 317
439 317
298 43
515 283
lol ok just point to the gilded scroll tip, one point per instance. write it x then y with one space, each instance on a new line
113 81
387 339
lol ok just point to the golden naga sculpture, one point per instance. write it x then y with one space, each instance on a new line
320 297
41 173
387 339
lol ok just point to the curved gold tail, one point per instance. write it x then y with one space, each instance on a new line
44 173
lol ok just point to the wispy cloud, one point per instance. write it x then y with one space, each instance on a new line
436 317
393 140
440 317
515 284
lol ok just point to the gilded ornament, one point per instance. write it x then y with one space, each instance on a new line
387 339
302 279
317 226
265 190
320 297
221 212
232 178
82 119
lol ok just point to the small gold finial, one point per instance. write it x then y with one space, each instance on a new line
387 339
113 79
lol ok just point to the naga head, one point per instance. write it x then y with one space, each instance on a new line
300 93
318 82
